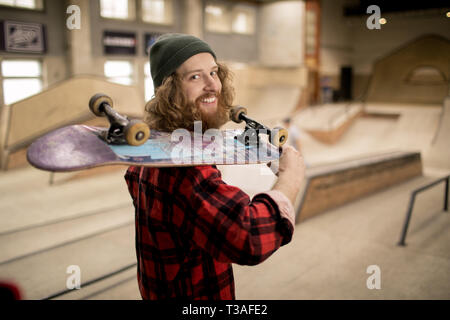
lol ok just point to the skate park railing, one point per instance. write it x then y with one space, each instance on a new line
413 199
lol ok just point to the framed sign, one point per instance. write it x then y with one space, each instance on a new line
22 37
119 43
149 40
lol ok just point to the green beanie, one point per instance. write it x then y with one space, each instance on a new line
170 51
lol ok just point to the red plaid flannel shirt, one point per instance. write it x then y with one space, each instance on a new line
190 227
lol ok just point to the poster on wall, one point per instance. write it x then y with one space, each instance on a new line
22 37
119 43
149 40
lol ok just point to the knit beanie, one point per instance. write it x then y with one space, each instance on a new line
170 51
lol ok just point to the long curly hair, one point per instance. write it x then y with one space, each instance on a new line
170 109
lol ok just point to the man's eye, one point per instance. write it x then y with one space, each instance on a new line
214 73
195 77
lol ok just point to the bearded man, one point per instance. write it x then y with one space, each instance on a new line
190 225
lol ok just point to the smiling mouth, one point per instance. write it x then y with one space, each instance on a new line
209 100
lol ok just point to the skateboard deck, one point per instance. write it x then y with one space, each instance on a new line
79 147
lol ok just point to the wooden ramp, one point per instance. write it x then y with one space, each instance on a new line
59 105
330 186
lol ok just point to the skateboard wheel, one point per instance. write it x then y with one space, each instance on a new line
136 132
96 102
235 113
278 136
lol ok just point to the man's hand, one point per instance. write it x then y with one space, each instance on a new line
291 173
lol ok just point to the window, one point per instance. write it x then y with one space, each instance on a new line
217 18
117 9
243 20
25 4
426 75
119 71
21 79
148 83
157 11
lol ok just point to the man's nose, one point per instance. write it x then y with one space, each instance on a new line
211 84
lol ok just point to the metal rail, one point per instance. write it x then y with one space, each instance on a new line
412 200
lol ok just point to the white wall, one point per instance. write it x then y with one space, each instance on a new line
281 34
335 43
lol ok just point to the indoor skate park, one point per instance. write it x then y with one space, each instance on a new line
368 93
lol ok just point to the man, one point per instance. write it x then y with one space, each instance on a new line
190 225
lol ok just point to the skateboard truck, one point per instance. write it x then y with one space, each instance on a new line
277 136
122 130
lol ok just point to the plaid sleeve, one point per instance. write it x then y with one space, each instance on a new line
222 220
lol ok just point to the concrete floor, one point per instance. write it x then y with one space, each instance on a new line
89 223
327 258
330 253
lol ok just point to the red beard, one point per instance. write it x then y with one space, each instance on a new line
211 121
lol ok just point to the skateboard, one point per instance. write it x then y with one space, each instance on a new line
132 142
